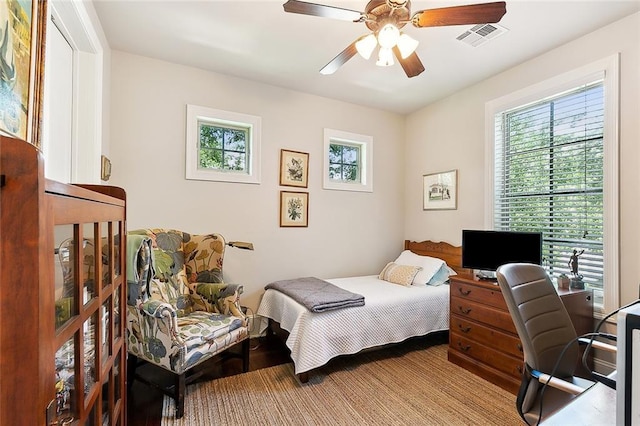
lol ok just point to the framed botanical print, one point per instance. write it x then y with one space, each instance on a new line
22 36
294 209
294 168
440 191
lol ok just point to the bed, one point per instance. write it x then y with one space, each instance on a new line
391 314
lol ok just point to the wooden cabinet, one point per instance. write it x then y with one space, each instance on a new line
62 296
483 338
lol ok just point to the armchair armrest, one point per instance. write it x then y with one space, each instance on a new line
157 309
163 312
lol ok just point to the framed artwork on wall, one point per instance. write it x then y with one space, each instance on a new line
440 191
105 168
22 35
294 209
294 168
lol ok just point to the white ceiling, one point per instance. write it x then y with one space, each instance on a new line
257 40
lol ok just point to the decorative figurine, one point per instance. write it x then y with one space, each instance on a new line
573 262
576 279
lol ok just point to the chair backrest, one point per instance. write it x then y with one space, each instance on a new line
180 261
541 320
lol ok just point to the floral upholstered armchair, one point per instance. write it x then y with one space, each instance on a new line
180 311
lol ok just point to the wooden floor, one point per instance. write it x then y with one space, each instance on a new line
145 403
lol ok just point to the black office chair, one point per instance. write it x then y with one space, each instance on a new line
549 341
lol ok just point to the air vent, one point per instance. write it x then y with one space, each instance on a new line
480 34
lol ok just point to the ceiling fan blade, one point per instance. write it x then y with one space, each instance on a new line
411 65
484 13
340 60
305 8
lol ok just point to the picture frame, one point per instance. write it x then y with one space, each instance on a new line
294 209
22 69
440 190
294 168
105 168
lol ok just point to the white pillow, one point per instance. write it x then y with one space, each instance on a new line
429 265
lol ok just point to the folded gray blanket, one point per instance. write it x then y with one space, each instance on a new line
317 295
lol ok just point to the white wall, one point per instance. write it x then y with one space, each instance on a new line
449 134
349 233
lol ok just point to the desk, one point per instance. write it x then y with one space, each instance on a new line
596 406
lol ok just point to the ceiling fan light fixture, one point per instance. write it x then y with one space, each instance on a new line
407 45
388 36
385 57
365 45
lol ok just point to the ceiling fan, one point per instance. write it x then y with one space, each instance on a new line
385 18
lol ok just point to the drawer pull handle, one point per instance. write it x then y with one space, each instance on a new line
519 368
464 329
463 292
464 310
463 348
519 346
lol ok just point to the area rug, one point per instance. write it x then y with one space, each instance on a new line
402 385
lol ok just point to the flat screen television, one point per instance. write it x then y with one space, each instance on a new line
485 251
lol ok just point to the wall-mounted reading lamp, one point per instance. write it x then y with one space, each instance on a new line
241 245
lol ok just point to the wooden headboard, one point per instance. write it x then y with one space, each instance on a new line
445 251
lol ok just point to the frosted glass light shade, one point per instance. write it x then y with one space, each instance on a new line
388 36
365 45
385 57
406 45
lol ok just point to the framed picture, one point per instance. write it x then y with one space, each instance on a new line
440 191
105 168
294 168
22 36
294 209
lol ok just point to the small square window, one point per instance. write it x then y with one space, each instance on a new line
222 146
344 163
348 161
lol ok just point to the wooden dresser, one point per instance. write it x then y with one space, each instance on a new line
482 336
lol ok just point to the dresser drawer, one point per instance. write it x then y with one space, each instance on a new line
486 296
489 315
507 364
477 332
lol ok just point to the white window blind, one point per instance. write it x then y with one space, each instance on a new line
549 177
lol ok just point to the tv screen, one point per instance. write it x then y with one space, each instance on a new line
487 250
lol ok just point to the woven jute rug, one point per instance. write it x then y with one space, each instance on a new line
400 385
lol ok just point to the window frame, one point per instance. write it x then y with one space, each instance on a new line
216 117
608 69
365 144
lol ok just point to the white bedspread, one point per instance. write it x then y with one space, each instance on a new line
391 314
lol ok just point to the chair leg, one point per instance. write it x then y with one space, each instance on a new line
132 363
179 395
245 354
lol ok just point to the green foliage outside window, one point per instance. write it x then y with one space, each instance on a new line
222 147
550 177
344 163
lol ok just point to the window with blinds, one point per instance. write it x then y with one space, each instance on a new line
549 177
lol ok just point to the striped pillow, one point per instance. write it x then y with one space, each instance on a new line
399 274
